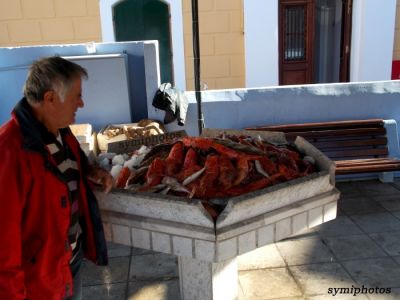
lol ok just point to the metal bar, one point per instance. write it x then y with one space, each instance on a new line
196 61
291 34
286 34
295 33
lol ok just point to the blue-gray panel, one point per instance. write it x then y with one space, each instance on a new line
11 82
106 92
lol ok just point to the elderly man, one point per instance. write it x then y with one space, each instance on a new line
49 217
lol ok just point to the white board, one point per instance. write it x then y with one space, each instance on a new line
106 92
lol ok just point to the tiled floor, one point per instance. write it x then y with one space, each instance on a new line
358 250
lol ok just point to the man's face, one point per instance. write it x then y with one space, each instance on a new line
65 111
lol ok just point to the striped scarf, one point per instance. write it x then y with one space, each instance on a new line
67 165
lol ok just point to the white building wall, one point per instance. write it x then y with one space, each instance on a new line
261 43
371 49
372 40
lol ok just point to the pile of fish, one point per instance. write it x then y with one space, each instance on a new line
206 168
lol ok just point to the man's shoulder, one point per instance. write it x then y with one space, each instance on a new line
10 134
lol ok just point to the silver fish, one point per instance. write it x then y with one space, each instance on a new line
133 187
174 185
193 177
260 169
309 159
156 188
165 191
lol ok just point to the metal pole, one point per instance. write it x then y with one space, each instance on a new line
196 60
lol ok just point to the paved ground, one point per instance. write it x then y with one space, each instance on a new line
360 249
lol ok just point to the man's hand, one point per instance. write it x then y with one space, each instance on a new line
101 177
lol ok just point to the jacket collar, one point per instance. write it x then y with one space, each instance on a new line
34 133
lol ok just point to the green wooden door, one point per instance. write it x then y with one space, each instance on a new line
138 20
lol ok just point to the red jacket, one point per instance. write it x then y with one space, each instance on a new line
35 214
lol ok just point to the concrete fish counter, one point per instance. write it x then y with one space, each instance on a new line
207 251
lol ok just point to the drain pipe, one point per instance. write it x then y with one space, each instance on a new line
196 61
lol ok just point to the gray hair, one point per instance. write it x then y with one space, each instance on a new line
51 74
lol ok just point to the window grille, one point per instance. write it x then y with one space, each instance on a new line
294 43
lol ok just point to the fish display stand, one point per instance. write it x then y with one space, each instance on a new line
207 249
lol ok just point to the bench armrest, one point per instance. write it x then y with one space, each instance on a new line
392 138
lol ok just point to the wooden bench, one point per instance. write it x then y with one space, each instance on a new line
357 146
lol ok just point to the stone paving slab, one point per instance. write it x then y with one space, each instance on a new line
342 226
379 222
117 250
115 272
355 196
241 295
360 206
157 265
338 297
268 284
393 295
385 197
374 272
154 290
388 241
316 279
304 251
348 188
140 251
396 214
289 298
397 258
396 183
115 291
353 247
261 258
375 187
305 234
391 205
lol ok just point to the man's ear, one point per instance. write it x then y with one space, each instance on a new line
49 97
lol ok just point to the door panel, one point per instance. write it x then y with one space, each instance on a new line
294 74
296 28
347 8
138 20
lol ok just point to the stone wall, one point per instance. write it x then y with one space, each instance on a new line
44 22
221 43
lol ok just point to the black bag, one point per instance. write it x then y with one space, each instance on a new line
173 102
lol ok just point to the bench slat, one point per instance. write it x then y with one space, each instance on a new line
356 153
382 160
321 125
339 132
349 143
367 169
357 166
355 162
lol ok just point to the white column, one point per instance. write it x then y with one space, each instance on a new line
208 281
178 48
261 43
107 26
372 40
